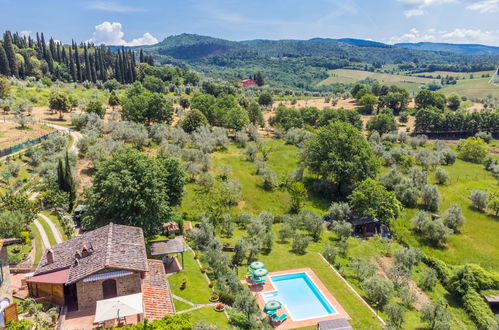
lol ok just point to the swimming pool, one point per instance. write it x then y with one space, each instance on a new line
301 297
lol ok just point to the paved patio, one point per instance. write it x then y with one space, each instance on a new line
256 290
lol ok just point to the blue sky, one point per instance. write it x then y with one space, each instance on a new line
144 22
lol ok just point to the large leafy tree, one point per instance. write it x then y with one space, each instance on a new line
382 123
370 198
192 120
142 106
340 153
59 101
135 189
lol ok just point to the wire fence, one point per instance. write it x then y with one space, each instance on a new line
20 146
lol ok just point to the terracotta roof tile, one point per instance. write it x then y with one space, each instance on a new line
112 246
156 292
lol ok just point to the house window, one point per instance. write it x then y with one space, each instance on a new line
109 289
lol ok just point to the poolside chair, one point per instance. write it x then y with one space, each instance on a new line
257 280
280 318
270 313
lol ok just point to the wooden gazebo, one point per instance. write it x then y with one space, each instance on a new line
172 246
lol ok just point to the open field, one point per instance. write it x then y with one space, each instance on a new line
477 243
344 76
319 103
459 75
11 134
472 88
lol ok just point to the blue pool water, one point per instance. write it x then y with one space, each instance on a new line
300 296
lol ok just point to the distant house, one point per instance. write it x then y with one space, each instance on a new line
368 226
105 263
7 310
249 83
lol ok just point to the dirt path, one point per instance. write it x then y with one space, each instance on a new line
43 234
55 231
385 263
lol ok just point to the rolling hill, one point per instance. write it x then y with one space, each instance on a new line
303 64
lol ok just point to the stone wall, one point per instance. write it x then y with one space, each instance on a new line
5 289
89 292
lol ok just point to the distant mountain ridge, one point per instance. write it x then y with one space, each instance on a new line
475 49
220 46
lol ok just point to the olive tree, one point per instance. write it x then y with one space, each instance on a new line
378 290
479 199
453 218
431 197
442 176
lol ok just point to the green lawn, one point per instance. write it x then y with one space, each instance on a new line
56 222
282 160
208 316
478 241
197 290
38 244
48 231
180 305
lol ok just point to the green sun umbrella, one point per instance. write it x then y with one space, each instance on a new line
257 265
260 272
272 305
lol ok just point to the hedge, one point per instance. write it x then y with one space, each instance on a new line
478 310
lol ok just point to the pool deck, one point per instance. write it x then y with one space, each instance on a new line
257 291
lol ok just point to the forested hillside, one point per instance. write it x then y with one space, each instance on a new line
303 63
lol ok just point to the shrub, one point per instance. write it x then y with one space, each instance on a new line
479 199
429 279
442 176
472 149
479 310
437 315
485 136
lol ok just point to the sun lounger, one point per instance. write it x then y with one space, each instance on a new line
280 318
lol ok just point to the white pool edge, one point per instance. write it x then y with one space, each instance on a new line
316 286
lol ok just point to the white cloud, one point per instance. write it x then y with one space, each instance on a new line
413 12
112 6
475 36
146 39
416 6
110 34
485 6
26 33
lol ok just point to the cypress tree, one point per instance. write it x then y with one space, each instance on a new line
50 61
134 73
92 68
65 179
141 56
72 65
38 45
11 56
88 75
78 64
44 46
4 62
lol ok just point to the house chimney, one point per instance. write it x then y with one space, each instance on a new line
85 252
50 256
